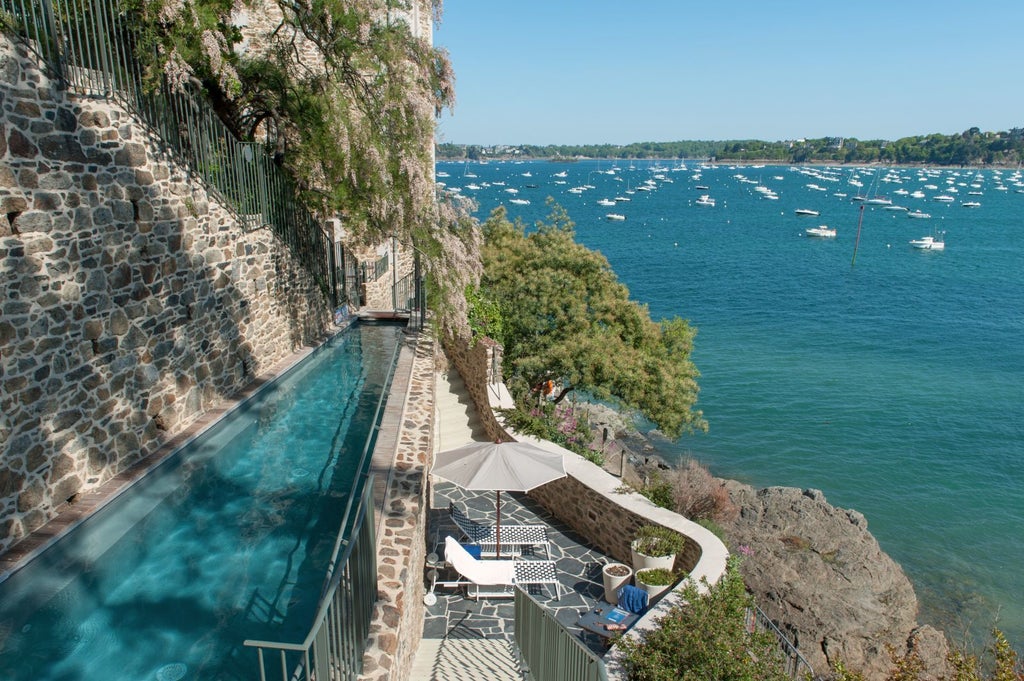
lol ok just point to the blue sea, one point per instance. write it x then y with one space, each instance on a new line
890 378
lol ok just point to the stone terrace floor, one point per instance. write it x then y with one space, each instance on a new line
457 618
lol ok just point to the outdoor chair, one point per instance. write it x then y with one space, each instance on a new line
493 578
514 538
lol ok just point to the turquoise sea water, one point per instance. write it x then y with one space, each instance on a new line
895 384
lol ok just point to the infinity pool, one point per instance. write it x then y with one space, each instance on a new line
227 539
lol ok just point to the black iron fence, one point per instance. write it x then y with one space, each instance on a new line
91 48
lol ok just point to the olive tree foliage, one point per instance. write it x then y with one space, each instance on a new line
346 97
567 319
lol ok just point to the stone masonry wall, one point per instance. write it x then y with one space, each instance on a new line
473 364
131 300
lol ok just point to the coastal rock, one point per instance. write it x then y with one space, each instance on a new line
821 577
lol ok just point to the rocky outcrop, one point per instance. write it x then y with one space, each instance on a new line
821 576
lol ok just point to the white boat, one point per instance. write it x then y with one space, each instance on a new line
821 231
878 201
919 215
705 200
520 202
615 216
929 243
623 198
971 204
945 198
894 207
807 211
605 202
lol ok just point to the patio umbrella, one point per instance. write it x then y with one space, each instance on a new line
499 466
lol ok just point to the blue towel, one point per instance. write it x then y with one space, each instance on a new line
473 550
633 599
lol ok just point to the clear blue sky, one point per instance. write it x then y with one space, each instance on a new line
620 71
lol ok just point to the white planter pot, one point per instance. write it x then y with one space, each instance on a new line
613 581
653 591
642 561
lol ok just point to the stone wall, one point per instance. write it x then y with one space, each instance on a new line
131 300
397 625
475 365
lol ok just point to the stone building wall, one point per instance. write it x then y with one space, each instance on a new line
131 300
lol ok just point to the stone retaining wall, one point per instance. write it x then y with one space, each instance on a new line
474 364
132 302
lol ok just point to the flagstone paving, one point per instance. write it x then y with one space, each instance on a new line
579 571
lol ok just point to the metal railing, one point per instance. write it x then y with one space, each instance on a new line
796 666
549 651
336 642
335 645
92 47
404 295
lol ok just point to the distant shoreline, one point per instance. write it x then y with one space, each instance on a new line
728 162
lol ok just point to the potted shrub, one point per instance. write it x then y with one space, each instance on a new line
615 576
656 547
655 581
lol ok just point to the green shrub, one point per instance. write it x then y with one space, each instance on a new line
660 491
706 637
655 540
656 576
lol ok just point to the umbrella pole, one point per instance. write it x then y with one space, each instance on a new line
497 529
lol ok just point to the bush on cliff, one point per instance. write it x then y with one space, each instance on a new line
706 638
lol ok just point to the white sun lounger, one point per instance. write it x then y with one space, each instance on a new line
495 578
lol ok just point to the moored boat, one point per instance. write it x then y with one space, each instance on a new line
807 211
821 231
929 243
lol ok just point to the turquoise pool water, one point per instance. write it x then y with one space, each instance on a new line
226 540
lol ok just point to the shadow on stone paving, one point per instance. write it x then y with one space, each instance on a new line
454 616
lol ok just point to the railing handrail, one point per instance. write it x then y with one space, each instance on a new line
340 541
547 649
342 545
89 45
763 622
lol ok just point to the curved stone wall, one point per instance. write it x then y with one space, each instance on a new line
132 302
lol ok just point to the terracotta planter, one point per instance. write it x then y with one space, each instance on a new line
615 575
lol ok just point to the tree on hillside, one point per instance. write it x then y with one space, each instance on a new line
567 319
345 94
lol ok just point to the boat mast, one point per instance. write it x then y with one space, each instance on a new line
856 244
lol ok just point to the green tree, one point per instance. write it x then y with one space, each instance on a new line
345 94
706 637
568 319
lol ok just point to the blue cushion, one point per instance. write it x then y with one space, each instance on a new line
473 550
633 599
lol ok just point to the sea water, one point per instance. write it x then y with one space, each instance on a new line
890 378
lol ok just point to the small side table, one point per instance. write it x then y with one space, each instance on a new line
607 620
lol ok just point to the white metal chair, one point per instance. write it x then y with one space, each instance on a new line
514 538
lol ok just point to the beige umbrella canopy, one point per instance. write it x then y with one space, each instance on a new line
499 466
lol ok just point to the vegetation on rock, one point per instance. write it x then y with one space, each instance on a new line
706 637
